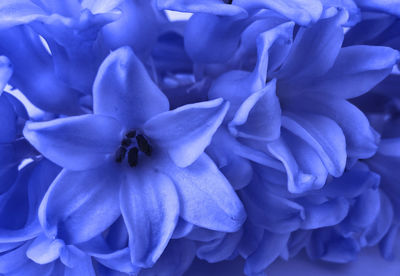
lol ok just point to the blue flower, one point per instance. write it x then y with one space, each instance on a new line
133 156
312 78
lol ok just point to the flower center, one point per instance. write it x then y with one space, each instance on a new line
132 145
228 1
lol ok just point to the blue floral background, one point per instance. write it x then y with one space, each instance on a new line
199 137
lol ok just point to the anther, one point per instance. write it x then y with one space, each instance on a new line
133 157
143 145
228 1
120 154
126 142
131 134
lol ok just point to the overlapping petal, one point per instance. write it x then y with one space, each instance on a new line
75 205
186 131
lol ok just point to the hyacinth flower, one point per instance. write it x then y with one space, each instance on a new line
312 82
222 22
332 223
133 139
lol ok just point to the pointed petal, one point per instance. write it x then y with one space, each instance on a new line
206 197
323 135
44 250
259 116
76 143
124 90
150 207
314 50
357 69
186 131
81 204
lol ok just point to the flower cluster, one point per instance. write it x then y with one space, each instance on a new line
253 129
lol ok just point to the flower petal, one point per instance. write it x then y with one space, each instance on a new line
268 250
206 197
44 250
388 6
8 121
81 204
314 50
357 69
13 259
124 90
259 116
328 245
150 207
361 138
5 70
283 216
325 214
219 250
323 135
18 12
297 181
186 131
300 11
176 259
76 143
215 7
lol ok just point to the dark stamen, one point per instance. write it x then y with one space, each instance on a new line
133 157
120 154
143 145
228 1
131 134
126 142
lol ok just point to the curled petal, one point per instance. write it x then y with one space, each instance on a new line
44 250
259 116
323 135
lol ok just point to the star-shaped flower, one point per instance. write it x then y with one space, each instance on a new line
133 156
